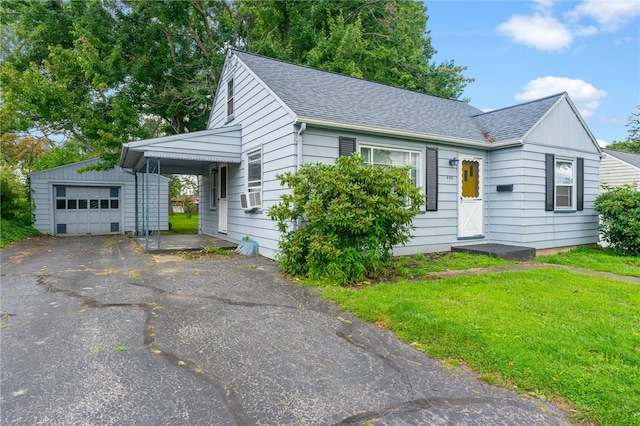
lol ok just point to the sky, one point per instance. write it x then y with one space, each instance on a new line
519 51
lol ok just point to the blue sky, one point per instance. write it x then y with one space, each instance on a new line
523 50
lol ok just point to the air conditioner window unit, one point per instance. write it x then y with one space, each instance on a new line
250 200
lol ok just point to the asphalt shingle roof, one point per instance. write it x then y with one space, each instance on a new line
513 122
627 157
318 94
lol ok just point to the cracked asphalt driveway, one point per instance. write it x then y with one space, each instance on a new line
97 333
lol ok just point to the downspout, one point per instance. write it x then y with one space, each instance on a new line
303 128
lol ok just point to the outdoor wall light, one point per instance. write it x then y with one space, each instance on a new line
453 161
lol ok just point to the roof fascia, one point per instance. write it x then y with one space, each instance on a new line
266 87
447 140
565 97
584 125
88 161
215 97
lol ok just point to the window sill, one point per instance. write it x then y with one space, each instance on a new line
565 211
229 119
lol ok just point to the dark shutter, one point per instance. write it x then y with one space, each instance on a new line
580 184
550 171
347 146
431 187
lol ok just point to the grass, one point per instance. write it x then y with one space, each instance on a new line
596 258
181 224
423 264
555 334
11 232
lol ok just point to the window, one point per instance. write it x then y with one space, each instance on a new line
564 187
564 184
230 97
393 157
254 171
212 186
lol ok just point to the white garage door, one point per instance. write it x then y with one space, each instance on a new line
83 210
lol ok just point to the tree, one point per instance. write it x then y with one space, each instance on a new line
632 144
341 221
383 41
102 72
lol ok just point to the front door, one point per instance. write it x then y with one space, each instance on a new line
222 201
470 212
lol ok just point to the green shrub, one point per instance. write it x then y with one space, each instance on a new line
341 221
11 232
15 204
619 210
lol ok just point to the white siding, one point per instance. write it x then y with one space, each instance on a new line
615 172
519 217
43 182
516 217
266 125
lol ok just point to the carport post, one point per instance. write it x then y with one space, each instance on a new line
158 203
146 231
135 229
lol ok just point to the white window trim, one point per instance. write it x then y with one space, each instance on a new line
421 169
573 205
230 82
213 193
249 186
420 175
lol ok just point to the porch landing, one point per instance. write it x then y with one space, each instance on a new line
502 251
173 243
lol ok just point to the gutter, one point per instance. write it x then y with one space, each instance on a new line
448 140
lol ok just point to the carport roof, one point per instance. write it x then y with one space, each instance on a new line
186 153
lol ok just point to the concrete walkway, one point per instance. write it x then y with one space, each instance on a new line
95 332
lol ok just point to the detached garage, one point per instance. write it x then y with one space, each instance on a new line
97 202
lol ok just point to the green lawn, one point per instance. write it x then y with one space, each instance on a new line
596 258
554 334
181 224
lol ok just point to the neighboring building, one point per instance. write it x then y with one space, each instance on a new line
619 168
523 175
95 202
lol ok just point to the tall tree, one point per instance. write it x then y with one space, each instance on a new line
103 72
632 143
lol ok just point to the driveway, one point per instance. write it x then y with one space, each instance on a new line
95 332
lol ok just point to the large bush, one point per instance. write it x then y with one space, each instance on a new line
619 209
14 197
341 221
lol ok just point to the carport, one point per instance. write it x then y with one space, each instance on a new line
186 154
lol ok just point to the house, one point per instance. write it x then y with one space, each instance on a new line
619 168
522 175
96 202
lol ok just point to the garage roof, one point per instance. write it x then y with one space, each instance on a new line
186 153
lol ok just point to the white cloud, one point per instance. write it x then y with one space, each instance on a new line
610 15
537 31
543 31
584 95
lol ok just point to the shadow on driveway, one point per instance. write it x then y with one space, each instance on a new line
97 332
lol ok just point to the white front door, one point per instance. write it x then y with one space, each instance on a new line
222 201
470 211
